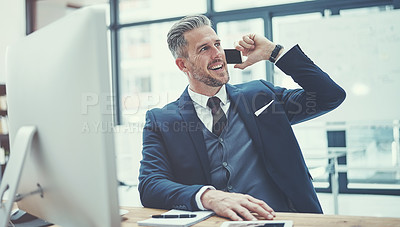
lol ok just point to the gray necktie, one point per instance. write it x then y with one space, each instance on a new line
219 118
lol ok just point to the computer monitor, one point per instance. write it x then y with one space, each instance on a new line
58 79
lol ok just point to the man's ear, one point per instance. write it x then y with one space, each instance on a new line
181 63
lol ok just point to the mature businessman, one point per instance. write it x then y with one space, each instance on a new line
231 148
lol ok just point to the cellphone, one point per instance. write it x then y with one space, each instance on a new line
259 223
233 56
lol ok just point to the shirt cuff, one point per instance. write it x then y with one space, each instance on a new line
199 194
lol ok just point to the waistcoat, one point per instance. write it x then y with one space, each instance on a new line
237 167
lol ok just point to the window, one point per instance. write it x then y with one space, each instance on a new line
343 46
354 41
145 10
223 5
285 32
149 76
370 143
230 32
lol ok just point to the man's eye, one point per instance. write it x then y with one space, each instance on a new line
218 44
203 49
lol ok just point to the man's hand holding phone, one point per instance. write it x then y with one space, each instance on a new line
256 48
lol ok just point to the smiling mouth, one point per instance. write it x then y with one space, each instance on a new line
216 67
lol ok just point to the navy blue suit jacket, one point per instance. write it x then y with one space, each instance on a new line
175 163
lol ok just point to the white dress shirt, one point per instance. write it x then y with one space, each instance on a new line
203 111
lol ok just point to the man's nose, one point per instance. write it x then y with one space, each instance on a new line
217 52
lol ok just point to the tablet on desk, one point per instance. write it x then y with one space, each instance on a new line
281 223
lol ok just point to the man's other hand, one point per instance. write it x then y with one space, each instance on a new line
237 207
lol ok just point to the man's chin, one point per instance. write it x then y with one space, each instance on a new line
223 76
216 80
216 83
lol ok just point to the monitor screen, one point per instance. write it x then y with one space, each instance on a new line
58 79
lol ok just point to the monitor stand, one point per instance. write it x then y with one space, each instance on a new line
12 173
21 218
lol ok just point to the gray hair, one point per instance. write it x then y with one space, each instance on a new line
175 37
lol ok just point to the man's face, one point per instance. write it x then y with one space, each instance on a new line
206 58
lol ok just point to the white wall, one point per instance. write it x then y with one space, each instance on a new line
49 11
12 27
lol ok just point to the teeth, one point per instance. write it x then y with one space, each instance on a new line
216 67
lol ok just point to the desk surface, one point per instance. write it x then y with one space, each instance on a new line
299 220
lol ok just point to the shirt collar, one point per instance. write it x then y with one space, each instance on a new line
203 99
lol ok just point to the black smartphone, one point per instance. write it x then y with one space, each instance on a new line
233 56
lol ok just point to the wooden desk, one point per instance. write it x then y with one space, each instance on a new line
299 220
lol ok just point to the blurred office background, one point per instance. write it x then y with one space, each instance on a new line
353 152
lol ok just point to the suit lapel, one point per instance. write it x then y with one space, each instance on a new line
189 116
245 110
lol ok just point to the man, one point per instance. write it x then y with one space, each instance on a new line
234 153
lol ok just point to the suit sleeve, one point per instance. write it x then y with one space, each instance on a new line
157 187
320 94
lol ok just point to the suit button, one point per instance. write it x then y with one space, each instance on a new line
221 140
225 164
230 187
